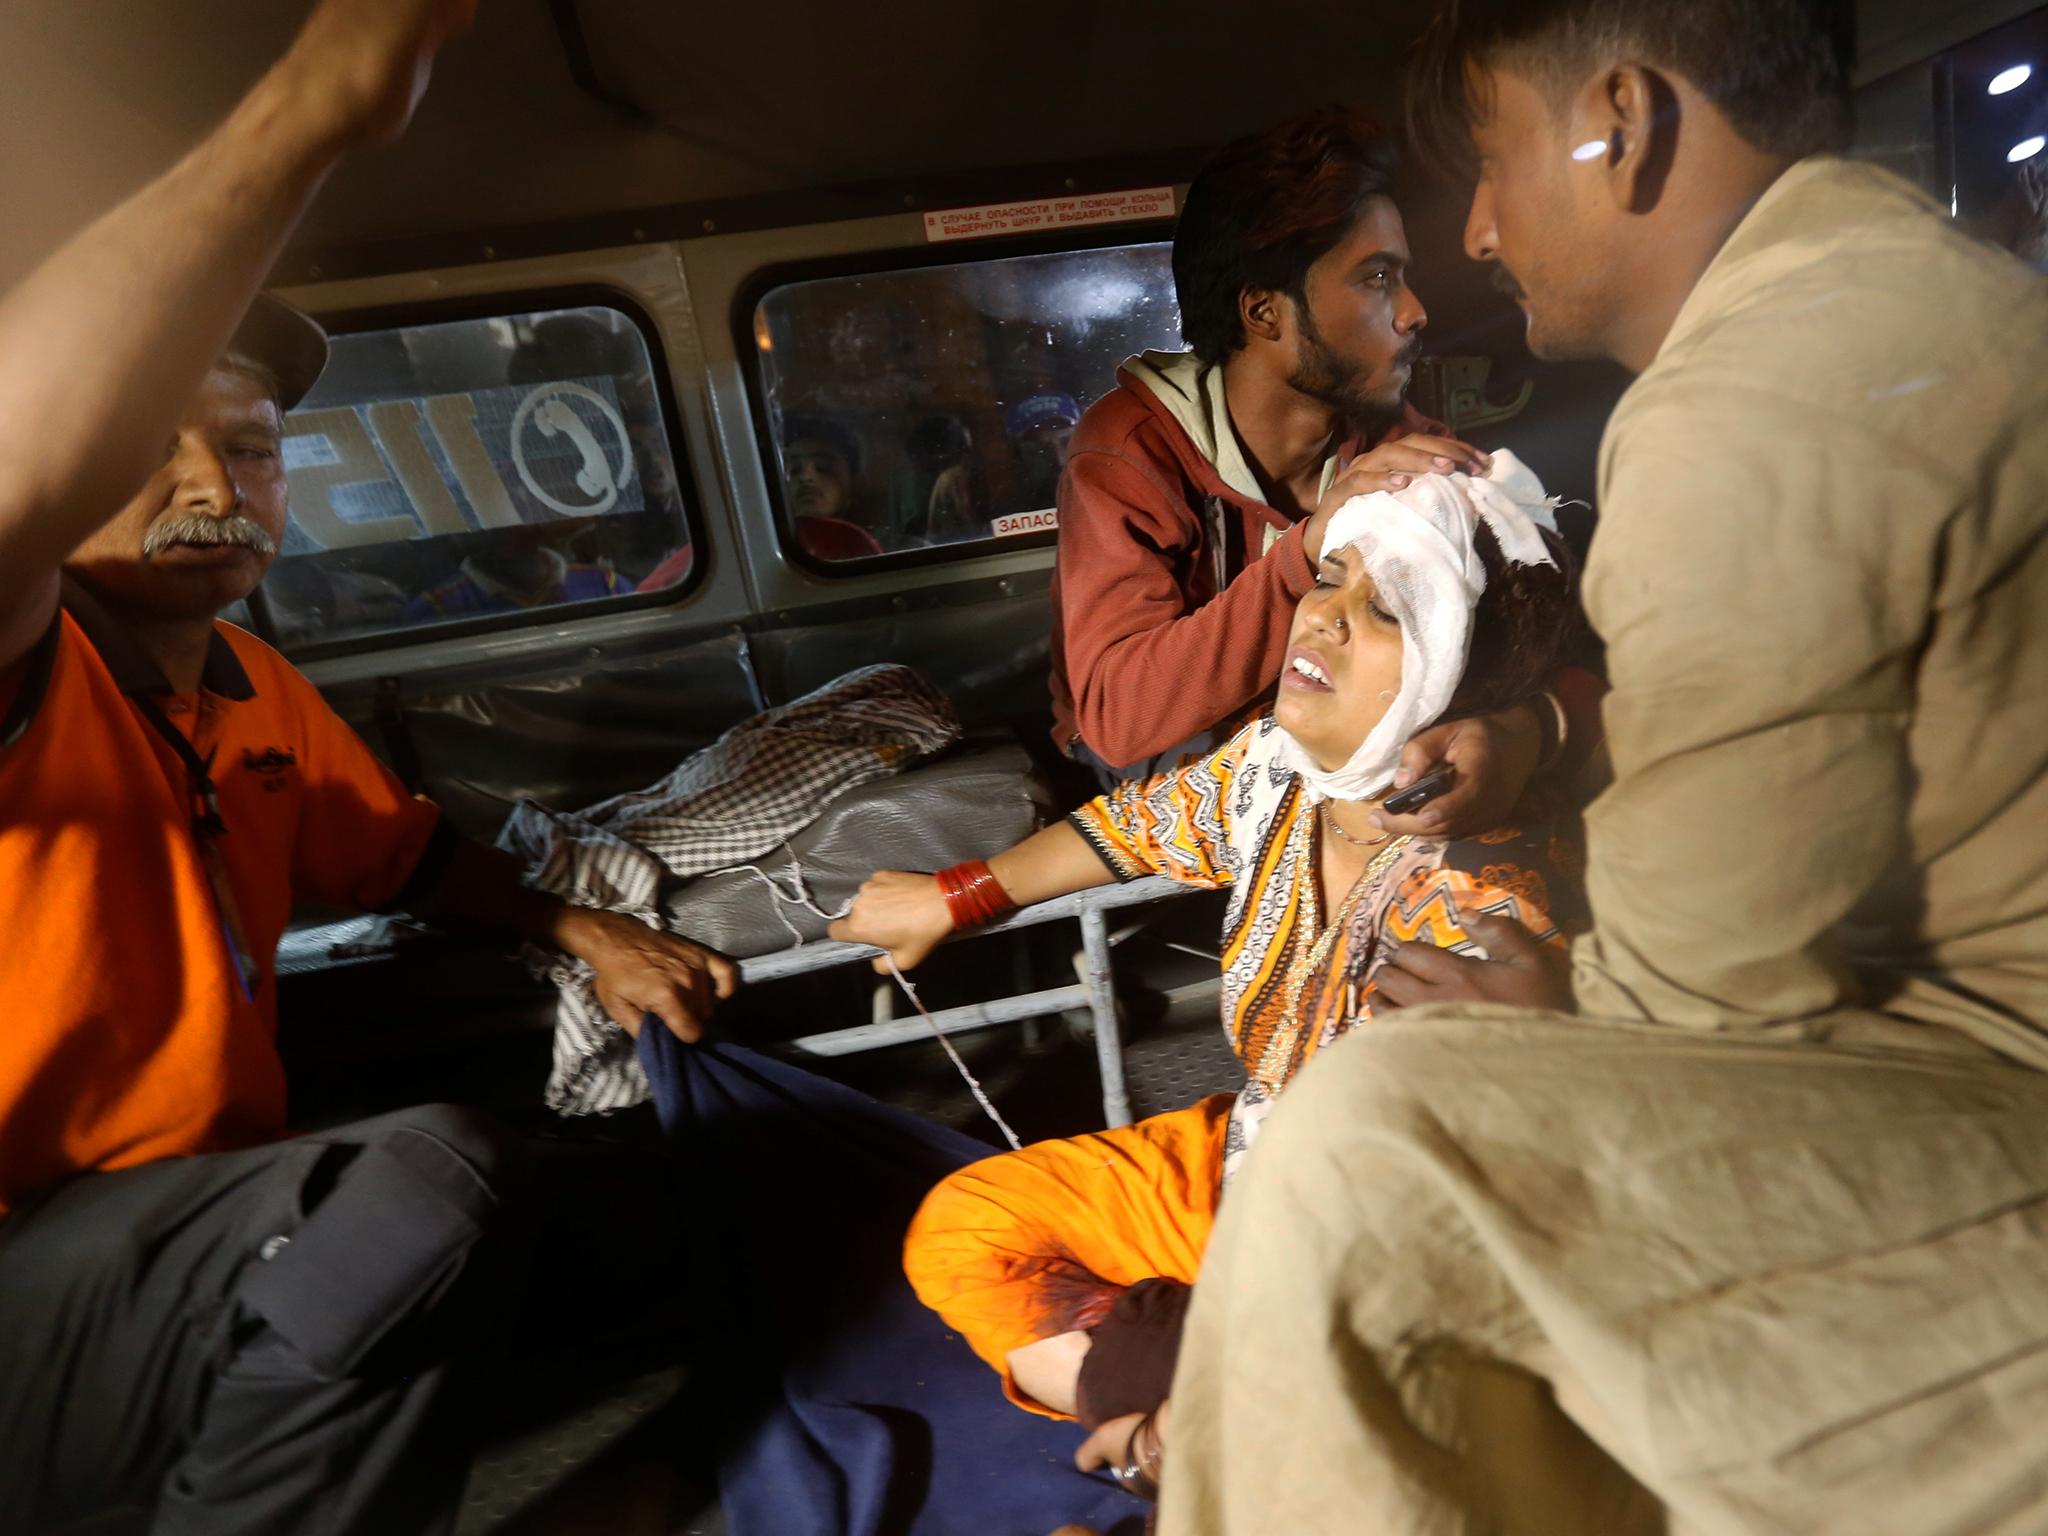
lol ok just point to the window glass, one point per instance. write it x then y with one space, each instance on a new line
1971 127
935 406
473 468
1998 95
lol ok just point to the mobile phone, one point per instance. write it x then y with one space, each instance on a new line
1420 793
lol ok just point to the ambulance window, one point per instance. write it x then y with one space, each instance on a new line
476 471
933 407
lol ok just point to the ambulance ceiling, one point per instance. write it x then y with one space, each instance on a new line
560 108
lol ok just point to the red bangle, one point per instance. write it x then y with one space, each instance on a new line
974 897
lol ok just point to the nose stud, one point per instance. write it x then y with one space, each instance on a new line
1343 623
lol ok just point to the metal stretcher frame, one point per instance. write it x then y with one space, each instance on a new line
1095 991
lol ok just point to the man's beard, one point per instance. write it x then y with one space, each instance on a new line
1327 376
211 532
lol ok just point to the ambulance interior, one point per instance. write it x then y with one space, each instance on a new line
688 357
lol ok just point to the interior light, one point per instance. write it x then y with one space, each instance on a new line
2026 149
1592 149
2011 79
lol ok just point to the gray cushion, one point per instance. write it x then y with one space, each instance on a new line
965 807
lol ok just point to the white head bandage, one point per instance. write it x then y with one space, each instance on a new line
1418 547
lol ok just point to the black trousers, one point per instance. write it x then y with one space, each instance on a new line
304 1337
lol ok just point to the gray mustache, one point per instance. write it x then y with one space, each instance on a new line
200 529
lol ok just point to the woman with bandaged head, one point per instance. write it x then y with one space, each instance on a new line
1067 1265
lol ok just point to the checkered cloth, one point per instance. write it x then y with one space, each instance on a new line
743 795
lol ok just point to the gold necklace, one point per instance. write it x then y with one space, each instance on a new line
1330 820
1309 957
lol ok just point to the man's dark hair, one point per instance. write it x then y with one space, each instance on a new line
1519 628
1778 70
1262 212
822 429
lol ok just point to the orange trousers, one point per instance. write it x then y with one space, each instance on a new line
1025 1245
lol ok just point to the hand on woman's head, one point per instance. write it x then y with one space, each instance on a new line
1343 665
1391 467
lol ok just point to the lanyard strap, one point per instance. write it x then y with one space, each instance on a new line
208 827
206 817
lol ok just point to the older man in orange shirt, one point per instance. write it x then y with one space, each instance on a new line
208 1327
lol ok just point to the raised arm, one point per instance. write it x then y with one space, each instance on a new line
104 343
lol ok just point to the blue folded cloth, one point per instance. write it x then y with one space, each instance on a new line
845 1407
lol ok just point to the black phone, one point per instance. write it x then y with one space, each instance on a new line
1420 793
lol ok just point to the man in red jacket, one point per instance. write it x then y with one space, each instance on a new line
1195 496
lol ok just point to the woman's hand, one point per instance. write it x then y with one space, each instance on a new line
903 913
1390 467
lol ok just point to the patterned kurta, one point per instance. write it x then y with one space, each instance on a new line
1238 819
1029 1244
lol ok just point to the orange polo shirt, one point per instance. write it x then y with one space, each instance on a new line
128 1034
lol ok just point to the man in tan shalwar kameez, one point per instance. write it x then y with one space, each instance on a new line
1747 1229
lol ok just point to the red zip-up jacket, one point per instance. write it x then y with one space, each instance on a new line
1167 621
